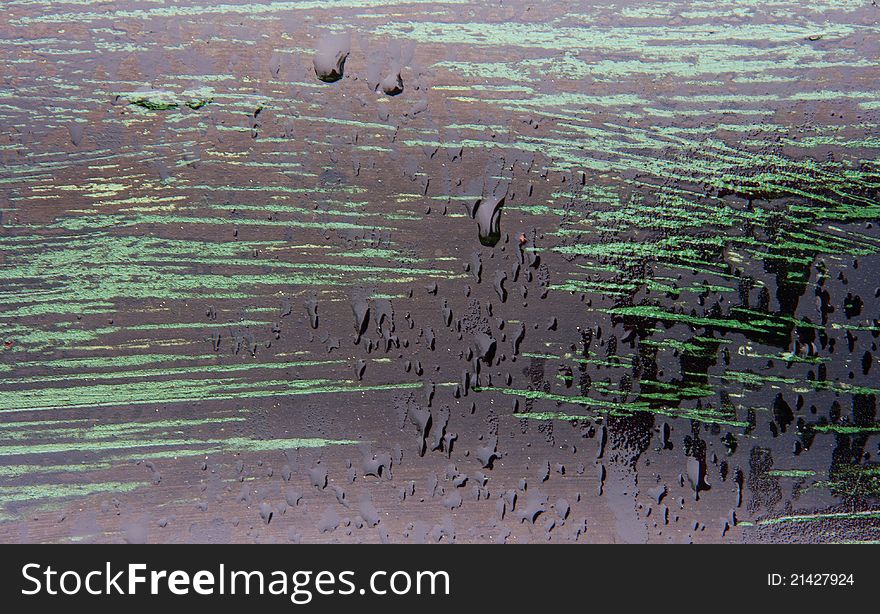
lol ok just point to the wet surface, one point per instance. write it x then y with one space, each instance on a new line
421 271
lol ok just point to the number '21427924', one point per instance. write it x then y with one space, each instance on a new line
810 579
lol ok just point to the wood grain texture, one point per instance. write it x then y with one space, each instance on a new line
232 293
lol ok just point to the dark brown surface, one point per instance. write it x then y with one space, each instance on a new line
223 276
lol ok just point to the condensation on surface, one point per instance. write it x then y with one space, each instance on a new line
439 271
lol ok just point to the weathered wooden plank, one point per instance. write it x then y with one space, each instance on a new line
223 277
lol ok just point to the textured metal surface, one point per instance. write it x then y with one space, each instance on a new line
232 293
